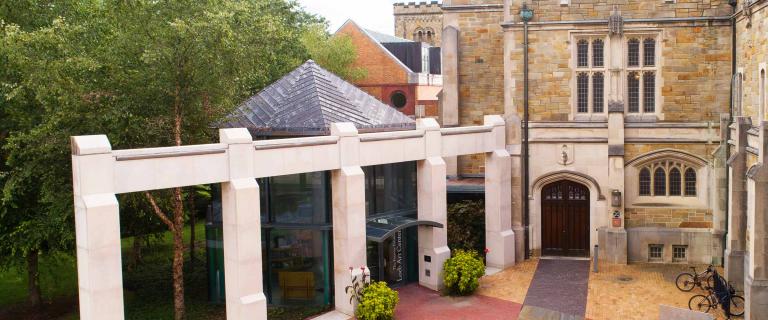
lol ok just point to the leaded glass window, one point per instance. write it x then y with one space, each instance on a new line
675 182
645 182
633 86
690 182
633 53
649 92
659 182
597 53
649 52
582 56
598 89
582 88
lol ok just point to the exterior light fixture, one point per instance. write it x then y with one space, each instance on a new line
616 198
525 13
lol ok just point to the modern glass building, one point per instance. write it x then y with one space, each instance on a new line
296 215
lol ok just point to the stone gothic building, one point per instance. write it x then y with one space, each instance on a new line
627 134
419 21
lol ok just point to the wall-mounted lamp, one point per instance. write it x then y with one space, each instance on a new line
616 198
525 13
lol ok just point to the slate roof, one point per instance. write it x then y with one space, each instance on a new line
307 100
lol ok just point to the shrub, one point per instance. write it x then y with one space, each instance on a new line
378 302
462 271
466 225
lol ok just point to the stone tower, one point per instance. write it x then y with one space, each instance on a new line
421 21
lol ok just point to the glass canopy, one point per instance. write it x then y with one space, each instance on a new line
379 229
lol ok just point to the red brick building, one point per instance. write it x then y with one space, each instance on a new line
401 73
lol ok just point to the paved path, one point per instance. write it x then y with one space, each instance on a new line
560 285
417 302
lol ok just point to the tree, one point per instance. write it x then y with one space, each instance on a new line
335 53
147 74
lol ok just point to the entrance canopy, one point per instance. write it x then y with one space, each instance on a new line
380 229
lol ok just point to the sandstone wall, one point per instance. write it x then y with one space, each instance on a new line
751 50
410 17
668 217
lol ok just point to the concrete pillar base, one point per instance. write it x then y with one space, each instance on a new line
432 274
501 249
519 243
613 245
734 268
756 296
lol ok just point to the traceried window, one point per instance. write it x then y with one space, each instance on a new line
738 89
597 53
675 182
659 182
690 182
645 182
582 54
670 178
762 112
583 92
649 52
633 92
642 70
589 94
633 52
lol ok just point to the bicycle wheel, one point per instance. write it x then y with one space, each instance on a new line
685 282
699 303
737 306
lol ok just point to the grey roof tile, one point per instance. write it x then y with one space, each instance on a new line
307 100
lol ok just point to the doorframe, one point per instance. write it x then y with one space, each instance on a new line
566 186
598 214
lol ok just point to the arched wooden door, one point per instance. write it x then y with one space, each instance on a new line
565 219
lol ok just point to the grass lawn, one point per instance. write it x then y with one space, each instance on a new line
148 288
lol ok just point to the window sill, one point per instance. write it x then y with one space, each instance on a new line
590 117
643 118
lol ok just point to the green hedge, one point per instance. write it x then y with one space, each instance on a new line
466 225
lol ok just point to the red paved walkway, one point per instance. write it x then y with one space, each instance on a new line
420 303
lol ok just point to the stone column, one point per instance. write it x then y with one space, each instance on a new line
612 240
348 192
241 221
499 237
97 226
449 101
756 264
433 242
735 244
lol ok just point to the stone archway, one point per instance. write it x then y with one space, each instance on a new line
565 219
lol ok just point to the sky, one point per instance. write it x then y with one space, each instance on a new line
370 14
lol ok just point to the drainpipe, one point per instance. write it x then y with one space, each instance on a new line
733 4
526 15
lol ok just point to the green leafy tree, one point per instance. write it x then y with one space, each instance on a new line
336 53
146 73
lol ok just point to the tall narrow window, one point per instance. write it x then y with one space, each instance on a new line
659 182
582 86
598 96
597 53
762 112
633 92
675 182
649 52
649 92
690 182
633 53
645 182
582 55
737 88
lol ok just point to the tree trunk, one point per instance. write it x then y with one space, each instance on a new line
178 255
192 213
33 280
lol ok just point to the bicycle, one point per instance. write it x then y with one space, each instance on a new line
717 294
687 281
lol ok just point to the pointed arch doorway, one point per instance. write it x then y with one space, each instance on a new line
565 219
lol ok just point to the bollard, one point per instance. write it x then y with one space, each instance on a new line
594 260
